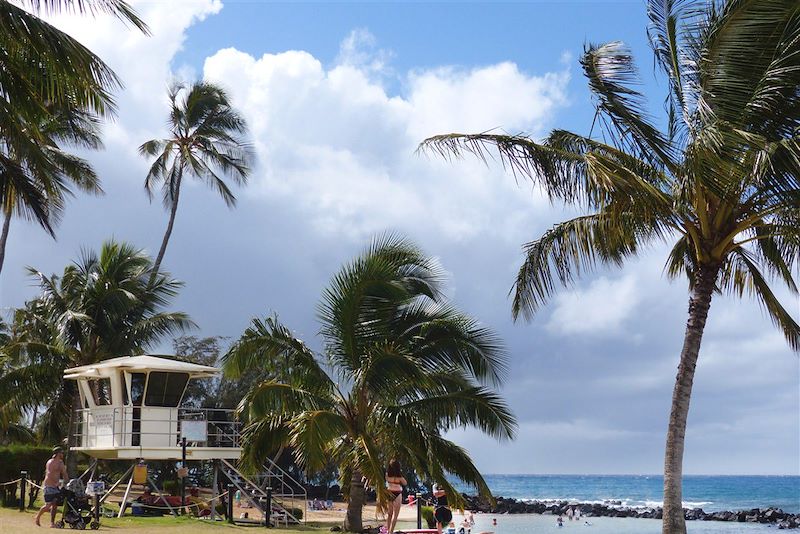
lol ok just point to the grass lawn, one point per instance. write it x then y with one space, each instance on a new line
13 521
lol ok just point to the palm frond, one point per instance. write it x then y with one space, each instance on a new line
611 74
570 249
742 275
118 8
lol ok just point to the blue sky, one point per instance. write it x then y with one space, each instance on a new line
538 36
338 95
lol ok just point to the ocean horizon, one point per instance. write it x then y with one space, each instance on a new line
710 492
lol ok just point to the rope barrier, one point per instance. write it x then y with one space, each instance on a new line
12 482
35 485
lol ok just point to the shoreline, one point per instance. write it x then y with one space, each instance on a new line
513 506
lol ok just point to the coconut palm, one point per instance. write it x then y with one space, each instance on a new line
12 427
44 74
101 307
45 171
400 367
205 140
720 184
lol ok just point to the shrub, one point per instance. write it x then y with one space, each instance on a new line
30 458
427 515
297 513
16 458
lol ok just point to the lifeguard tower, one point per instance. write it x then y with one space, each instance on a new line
132 410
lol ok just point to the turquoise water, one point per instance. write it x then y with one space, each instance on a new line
711 493
542 524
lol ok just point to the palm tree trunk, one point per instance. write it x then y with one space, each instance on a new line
355 504
699 304
72 455
173 210
4 238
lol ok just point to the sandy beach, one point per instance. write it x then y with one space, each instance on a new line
371 515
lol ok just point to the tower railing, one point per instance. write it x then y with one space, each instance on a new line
131 426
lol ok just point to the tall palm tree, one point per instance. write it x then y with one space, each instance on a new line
722 183
44 73
12 427
102 306
205 140
400 367
46 171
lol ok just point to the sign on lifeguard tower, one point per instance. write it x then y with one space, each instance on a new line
131 408
196 431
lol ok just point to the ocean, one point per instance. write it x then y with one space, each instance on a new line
711 493
546 524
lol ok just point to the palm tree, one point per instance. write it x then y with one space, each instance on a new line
45 74
12 427
205 139
400 367
101 307
40 182
721 183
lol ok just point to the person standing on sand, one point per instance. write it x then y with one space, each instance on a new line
441 512
54 472
394 483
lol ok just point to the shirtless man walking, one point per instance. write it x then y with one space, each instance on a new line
55 471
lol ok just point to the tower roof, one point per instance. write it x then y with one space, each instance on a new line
142 363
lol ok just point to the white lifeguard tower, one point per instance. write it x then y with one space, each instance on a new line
131 409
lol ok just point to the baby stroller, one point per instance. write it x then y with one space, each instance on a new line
77 510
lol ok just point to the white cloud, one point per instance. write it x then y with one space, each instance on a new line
360 49
602 308
333 141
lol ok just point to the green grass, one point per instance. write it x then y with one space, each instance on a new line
12 520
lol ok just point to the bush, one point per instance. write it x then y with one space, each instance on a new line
16 458
30 458
297 513
427 515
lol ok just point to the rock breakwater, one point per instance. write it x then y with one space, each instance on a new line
617 509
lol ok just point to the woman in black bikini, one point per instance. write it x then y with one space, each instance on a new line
442 511
394 483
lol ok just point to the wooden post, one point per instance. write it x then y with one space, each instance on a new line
23 478
269 505
183 479
230 503
214 490
419 510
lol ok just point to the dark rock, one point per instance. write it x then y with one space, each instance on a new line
614 508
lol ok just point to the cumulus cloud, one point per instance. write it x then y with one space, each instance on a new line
360 49
334 141
602 308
